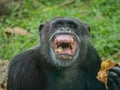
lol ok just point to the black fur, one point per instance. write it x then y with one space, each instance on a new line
35 69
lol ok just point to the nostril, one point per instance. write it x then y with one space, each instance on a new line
61 29
67 29
64 29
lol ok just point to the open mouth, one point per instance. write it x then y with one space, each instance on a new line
64 46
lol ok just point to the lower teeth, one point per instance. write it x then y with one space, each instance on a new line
58 50
65 57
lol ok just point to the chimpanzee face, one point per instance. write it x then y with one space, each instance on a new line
64 37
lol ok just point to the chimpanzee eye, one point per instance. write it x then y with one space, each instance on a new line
72 25
59 24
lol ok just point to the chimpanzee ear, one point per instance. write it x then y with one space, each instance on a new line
41 26
88 27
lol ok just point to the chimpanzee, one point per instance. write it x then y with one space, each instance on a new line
64 60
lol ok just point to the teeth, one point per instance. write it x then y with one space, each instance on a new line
58 50
65 57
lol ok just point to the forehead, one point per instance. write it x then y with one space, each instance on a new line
66 20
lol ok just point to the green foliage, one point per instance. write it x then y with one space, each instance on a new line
102 16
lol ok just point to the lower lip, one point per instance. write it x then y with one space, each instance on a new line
65 56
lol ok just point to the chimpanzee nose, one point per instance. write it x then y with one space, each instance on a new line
65 29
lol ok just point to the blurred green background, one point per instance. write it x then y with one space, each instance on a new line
103 17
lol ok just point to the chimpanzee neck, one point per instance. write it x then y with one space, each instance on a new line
62 73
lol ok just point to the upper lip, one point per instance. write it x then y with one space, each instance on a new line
54 36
